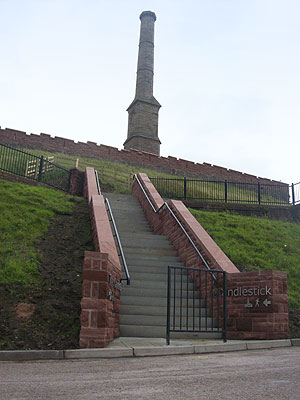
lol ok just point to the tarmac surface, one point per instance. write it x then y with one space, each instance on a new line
257 374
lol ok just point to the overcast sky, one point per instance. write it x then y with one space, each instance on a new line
227 74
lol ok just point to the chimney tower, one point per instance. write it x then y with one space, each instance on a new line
143 111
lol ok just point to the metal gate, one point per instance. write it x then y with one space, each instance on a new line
196 301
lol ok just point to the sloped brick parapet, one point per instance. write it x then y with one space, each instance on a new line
90 184
154 219
102 235
207 246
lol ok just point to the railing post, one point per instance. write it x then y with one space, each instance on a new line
293 194
41 169
225 191
258 193
184 188
224 308
169 305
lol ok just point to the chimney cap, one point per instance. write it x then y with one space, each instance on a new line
148 14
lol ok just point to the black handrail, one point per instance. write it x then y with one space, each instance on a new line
119 244
179 224
97 181
127 279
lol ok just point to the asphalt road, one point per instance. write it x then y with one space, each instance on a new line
263 374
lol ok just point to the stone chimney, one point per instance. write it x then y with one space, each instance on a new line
143 111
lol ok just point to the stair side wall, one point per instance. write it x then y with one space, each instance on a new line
100 304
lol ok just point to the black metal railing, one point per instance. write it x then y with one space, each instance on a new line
224 191
115 234
196 302
41 169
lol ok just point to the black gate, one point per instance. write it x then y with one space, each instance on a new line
196 301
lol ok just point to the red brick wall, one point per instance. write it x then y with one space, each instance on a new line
268 321
100 305
133 157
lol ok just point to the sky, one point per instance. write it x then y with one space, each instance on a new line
226 72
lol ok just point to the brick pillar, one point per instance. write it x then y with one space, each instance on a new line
257 305
76 182
100 304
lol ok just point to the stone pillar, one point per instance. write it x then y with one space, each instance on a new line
143 111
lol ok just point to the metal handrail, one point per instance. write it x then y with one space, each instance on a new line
178 222
97 181
127 279
119 244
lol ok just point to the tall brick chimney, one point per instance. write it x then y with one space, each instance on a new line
143 111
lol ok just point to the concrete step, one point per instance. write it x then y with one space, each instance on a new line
144 252
147 236
143 246
130 211
124 225
160 331
160 320
153 241
148 269
152 260
160 276
129 230
161 284
130 222
131 309
152 291
155 301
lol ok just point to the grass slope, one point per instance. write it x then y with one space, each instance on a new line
26 213
44 234
257 244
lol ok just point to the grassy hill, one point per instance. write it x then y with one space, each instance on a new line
44 234
254 243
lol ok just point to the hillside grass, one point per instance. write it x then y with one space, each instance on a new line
26 213
44 234
254 243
